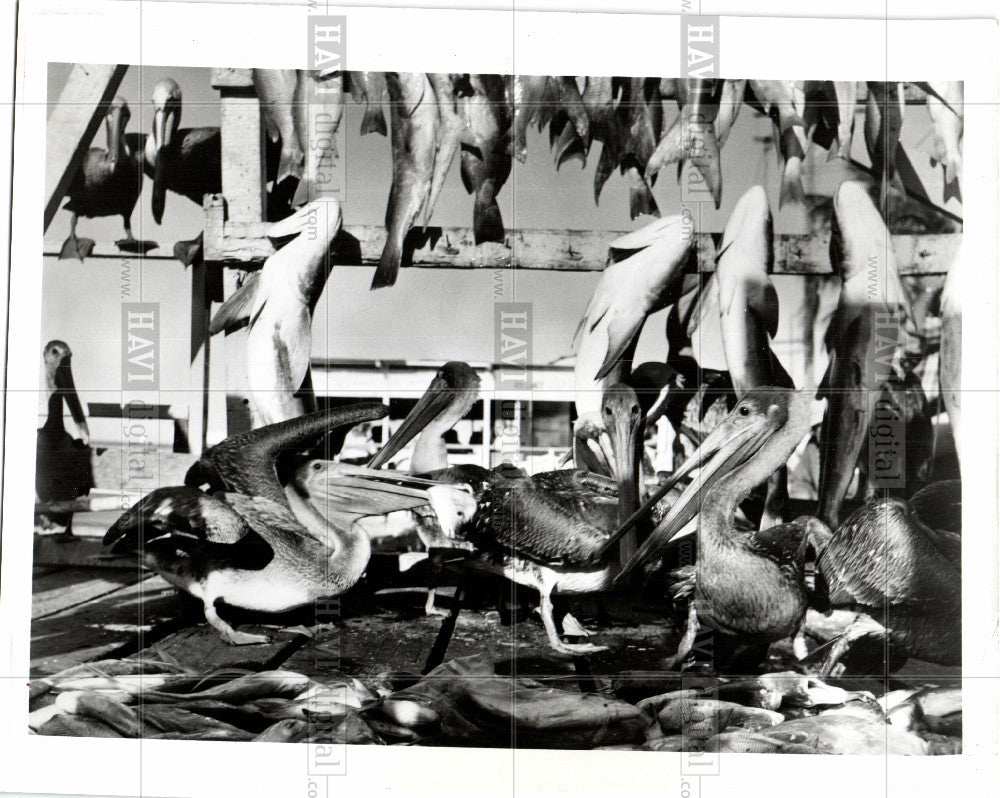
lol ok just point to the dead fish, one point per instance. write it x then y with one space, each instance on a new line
277 304
318 108
605 127
863 338
265 684
703 717
173 719
414 122
642 277
843 734
747 742
729 109
486 158
117 716
450 128
535 99
947 117
846 94
748 303
368 88
284 731
883 122
409 713
76 726
784 102
571 103
641 115
694 134
276 93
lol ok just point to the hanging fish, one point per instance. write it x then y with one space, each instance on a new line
883 122
534 99
450 128
414 118
276 94
946 108
784 102
486 156
319 107
846 93
641 114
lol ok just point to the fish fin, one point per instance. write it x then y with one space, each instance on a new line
668 151
605 166
235 311
952 190
619 342
388 265
373 121
487 223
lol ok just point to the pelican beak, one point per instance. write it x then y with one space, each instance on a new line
162 132
726 448
623 443
433 403
63 380
115 121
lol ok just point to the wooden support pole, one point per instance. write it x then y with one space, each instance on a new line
242 146
74 121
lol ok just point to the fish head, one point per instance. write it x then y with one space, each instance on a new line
321 219
454 506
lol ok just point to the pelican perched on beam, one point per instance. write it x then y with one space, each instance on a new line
749 585
898 565
863 338
252 543
277 304
62 463
108 184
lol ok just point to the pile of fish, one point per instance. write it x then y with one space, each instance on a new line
465 702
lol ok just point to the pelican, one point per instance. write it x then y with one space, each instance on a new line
552 531
748 313
863 338
642 276
898 565
62 462
748 585
950 361
252 543
108 184
276 304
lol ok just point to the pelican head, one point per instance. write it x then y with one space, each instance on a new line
621 415
450 396
58 357
115 121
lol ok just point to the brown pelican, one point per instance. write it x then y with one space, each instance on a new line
187 161
748 584
62 463
276 304
108 184
862 338
950 362
899 566
252 543
641 278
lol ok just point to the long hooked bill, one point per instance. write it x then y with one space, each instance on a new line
63 380
722 452
436 399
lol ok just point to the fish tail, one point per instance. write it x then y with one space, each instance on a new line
641 201
373 121
791 183
290 163
388 264
951 187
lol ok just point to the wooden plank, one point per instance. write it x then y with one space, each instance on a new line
242 152
97 627
201 649
246 245
65 588
75 119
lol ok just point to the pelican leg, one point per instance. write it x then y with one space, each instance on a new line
74 247
227 632
687 641
429 606
546 610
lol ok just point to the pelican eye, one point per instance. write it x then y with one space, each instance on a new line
317 466
744 410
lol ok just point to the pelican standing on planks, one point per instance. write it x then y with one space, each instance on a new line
108 183
62 463
898 565
748 584
253 543
863 339
642 277
276 304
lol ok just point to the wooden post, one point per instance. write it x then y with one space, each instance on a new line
75 119
198 370
242 146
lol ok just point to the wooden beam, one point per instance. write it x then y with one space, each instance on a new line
247 246
242 145
75 119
